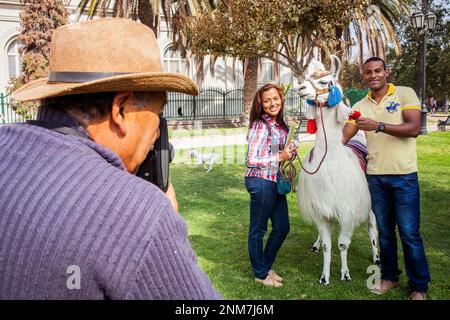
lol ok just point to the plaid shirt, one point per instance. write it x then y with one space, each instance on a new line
262 152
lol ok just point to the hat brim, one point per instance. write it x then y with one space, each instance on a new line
154 81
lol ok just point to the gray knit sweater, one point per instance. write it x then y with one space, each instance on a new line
68 205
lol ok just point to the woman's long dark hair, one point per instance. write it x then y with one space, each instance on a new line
257 107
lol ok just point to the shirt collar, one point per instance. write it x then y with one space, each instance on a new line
268 119
54 115
390 91
272 123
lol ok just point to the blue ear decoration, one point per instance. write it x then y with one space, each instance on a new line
334 97
310 102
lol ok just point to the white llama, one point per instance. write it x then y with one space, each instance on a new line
338 190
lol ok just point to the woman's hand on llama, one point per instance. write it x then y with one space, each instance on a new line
367 124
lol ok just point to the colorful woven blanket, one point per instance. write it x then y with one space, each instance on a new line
361 152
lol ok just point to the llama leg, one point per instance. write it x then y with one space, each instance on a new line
316 246
325 234
344 240
373 233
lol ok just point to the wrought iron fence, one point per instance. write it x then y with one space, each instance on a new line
293 105
219 104
11 114
212 103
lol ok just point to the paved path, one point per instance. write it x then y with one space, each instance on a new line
197 142
433 120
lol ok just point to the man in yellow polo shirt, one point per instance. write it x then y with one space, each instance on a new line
391 119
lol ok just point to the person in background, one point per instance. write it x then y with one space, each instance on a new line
433 105
446 104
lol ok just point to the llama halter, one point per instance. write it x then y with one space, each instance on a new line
334 94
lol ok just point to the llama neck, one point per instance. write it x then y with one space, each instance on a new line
333 132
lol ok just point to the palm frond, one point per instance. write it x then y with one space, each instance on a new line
155 4
81 6
93 6
104 8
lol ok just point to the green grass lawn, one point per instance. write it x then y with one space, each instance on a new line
216 208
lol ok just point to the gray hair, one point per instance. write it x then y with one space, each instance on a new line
86 108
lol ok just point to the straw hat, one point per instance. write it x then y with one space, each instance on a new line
104 55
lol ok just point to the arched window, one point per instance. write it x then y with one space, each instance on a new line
173 62
267 70
14 59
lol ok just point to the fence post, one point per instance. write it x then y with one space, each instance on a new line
224 94
2 114
195 106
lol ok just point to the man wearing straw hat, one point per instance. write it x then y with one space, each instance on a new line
75 223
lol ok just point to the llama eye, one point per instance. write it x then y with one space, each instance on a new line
323 82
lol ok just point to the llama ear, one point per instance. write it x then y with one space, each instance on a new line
335 66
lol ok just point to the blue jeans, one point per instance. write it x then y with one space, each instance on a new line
265 204
396 200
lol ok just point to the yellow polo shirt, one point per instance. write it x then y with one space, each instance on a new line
389 154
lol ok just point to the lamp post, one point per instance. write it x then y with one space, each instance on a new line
424 23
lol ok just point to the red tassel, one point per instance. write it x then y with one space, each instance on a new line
355 115
312 126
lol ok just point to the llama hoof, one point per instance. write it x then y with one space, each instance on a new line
377 261
314 249
346 277
324 281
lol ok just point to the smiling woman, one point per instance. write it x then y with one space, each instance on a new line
266 136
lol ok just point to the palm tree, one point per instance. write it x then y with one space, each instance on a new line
174 11
374 27
147 11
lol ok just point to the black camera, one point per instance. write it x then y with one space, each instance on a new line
155 168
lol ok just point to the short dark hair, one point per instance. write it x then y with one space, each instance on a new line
375 59
92 106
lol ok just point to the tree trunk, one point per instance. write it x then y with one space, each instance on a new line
339 51
145 14
250 84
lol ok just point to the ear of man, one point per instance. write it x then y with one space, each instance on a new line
121 104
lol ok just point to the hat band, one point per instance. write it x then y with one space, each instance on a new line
79 77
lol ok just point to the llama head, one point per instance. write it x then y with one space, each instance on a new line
320 89
318 82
